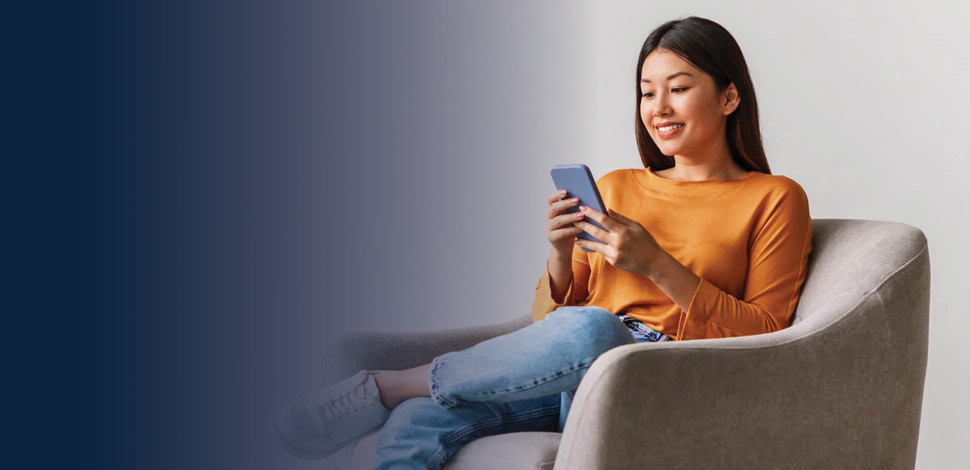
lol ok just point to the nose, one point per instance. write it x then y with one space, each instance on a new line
661 105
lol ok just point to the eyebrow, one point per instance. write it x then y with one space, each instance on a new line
642 80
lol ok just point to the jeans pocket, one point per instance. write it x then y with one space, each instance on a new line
643 331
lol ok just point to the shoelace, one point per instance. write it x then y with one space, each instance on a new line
344 403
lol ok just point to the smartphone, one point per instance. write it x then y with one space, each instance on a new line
578 181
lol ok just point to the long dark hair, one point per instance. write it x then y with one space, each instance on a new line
711 48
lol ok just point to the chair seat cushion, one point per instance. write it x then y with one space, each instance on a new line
512 451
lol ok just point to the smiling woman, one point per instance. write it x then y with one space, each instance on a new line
692 73
702 242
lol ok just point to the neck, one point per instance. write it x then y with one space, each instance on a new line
713 162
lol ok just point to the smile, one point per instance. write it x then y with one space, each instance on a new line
667 132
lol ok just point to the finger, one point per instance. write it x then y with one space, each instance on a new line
594 246
558 205
566 204
559 194
593 230
618 217
565 232
598 216
550 200
568 218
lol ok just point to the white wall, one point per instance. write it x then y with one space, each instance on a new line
865 104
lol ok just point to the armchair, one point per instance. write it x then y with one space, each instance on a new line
840 388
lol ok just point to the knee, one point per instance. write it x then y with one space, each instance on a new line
586 318
596 325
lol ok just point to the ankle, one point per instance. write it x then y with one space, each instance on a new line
386 387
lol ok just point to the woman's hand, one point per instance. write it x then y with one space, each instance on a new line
559 225
627 245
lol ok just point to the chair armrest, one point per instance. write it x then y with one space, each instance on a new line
803 397
675 400
351 352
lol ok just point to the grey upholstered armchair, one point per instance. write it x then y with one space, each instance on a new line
841 388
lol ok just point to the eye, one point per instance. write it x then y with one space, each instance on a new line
648 94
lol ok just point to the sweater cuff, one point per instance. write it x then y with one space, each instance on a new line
693 323
544 295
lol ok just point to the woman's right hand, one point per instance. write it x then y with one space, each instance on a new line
559 225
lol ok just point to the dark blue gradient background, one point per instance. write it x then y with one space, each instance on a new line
213 190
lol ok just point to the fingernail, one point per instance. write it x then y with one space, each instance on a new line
563 192
582 208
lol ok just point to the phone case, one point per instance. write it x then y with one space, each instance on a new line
578 181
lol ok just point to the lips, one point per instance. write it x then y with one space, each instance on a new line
670 133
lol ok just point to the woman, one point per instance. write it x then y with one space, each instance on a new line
702 243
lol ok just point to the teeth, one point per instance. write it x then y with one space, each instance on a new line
669 128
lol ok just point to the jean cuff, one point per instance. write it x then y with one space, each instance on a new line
433 384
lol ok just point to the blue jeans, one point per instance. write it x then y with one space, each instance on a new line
520 381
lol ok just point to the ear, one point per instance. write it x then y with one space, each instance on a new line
731 100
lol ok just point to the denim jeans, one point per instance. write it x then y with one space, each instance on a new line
520 381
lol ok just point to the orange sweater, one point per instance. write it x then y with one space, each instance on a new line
748 240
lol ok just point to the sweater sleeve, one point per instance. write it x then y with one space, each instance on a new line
777 262
576 292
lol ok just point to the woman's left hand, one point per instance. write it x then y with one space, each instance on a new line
627 245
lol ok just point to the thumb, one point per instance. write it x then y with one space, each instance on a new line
616 215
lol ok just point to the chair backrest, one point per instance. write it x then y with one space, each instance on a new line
849 259
860 341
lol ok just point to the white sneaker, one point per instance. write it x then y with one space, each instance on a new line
327 420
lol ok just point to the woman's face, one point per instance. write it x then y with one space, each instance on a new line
672 90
